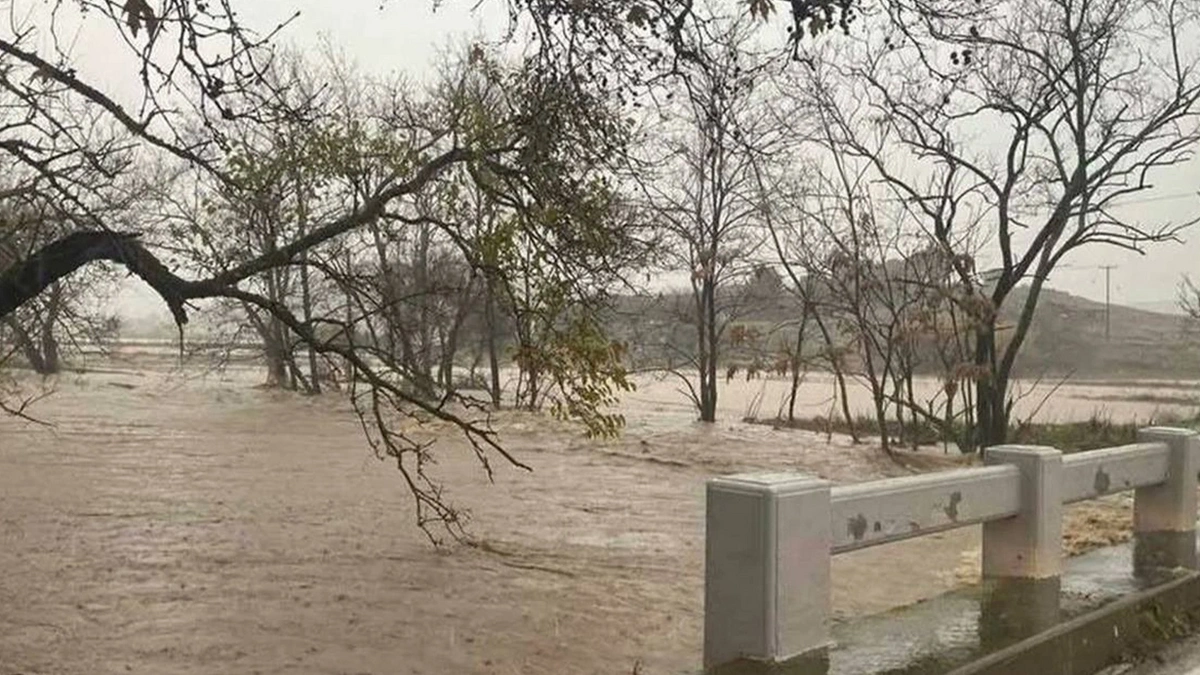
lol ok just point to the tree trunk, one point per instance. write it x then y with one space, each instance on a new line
450 343
912 399
714 350
425 323
531 380
838 375
992 391
274 339
348 376
492 347
877 377
314 379
50 352
796 359
277 370
706 326
473 371
39 344
28 347
949 425
881 416
289 358
386 292
991 425
897 398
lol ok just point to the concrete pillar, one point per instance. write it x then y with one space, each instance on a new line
766 577
1029 544
1164 515
1012 609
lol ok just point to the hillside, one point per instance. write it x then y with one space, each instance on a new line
1067 336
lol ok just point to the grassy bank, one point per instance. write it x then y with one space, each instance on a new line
1097 432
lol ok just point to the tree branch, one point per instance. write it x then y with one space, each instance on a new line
25 279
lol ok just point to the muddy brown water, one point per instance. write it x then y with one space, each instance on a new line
170 523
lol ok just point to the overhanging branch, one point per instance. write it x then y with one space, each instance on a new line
25 279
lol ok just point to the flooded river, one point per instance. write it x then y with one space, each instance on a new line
176 522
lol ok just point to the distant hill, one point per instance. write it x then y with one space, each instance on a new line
1161 306
1067 335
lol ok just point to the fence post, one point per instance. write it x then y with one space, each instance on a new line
1022 555
1028 545
766 578
1164 515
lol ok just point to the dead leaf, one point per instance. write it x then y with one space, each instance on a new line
44 74
638 16
138 12
761 9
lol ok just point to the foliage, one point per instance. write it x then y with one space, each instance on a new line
266 184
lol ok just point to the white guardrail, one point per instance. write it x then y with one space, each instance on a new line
770 536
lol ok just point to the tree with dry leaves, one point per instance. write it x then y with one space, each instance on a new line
204 77
1022 133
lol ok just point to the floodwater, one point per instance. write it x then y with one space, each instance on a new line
1046 400
173 523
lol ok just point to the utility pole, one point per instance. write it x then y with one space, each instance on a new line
1107 300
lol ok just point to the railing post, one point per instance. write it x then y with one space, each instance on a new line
1028 545
766 577
1022 555
1164 515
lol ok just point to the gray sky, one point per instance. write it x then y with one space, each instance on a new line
406 36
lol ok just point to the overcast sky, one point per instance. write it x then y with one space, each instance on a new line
406 36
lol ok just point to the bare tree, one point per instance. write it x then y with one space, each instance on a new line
481 314
265 196
1189 298
702 192
1081 102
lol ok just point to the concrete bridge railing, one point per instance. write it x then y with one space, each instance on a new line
770 537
